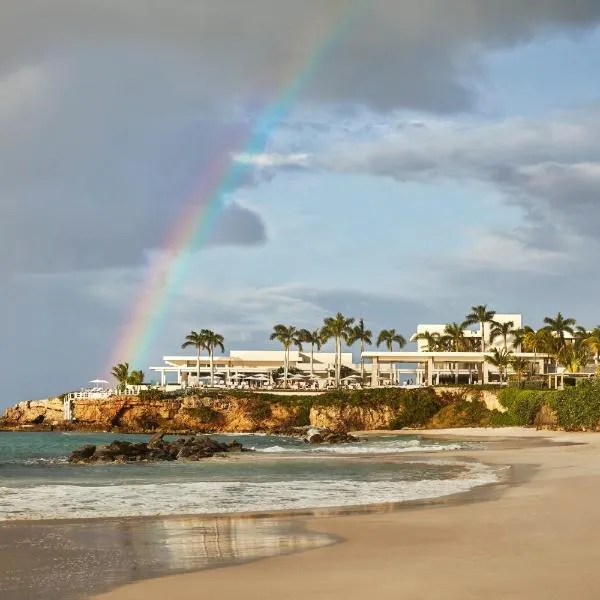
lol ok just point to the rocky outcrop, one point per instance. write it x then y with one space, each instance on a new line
352 418
49 410
157 449
138 414
223 412
314 435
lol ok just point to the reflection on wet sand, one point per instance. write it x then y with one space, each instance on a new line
61 560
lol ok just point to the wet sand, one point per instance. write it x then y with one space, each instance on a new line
56 560
534 537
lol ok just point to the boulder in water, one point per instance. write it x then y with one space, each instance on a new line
315 435
157 449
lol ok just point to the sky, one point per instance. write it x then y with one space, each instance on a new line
424 160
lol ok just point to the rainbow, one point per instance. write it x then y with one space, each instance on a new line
197 220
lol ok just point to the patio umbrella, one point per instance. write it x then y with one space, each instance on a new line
98 381
261 377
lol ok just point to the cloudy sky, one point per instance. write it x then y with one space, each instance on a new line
408 160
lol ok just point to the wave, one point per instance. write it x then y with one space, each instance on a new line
218 497
372 447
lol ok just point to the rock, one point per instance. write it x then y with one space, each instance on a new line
234 447
194 448
156 440
327 436
82 453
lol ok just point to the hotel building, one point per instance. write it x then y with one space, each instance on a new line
422 366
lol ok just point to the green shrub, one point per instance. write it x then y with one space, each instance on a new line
578 407
259 409
205 414
523 406
502 419
462 413
303 415
152 395
416 408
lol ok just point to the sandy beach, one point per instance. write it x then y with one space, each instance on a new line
533 537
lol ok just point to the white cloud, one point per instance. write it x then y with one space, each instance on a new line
273 159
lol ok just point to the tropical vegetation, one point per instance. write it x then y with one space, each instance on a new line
208 340
126 377
287 336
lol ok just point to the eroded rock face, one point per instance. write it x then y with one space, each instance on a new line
353 418
157 449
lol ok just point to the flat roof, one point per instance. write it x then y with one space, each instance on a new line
448 356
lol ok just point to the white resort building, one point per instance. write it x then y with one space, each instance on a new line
244 367
419 367
434 367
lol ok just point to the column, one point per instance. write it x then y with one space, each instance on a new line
67 413
430 371
375 372
486 373
163 378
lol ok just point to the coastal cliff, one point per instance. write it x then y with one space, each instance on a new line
207 414
231 412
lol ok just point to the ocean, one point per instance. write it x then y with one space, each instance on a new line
37 482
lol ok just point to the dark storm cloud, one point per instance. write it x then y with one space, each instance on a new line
98 170
413 53
110 111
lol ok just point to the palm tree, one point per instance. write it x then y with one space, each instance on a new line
537 341
593 343
560 325
480 314
389 337
136 378
121 373
500 359
315 339
340 329
520 367
519 335
455 334
195 339
502 330
288 336
573 358
364 336
580 334
212 341
431 339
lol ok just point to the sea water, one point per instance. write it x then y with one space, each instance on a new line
37 482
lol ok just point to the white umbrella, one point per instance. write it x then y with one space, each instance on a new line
98 381
296 377
261 377
350 377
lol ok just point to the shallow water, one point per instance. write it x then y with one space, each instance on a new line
36 482
68 560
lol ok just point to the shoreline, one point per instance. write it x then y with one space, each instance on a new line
292 526
315 512
410 536
501 445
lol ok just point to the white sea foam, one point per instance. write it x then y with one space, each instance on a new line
204 497
381 447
